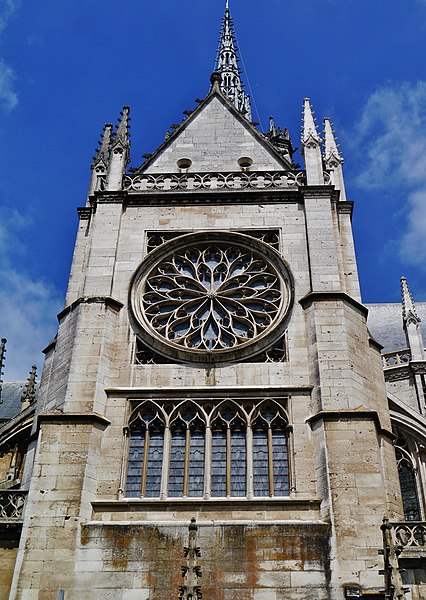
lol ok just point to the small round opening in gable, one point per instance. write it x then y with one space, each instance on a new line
184 163
245 162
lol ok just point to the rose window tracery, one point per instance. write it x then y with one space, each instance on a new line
211 297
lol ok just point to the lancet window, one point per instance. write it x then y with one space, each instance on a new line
407 471
197 449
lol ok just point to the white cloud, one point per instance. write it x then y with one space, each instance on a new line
392 131
28 304
8 96
7 8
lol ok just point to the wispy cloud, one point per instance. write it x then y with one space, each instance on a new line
392 131
28 305
8 95
7 8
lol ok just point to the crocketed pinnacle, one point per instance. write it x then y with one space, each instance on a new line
409 313
191 572
227 66
331 150
30 387
122 134
309 129
103 151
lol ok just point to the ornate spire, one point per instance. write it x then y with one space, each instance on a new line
28 395
122 134
2 359
104 147
411 322
394 588
120 152
333 159
227 66
309 128
311 146
409 313
331 150
191 590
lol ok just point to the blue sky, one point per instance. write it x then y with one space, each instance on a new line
67 67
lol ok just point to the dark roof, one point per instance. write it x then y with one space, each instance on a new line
385 324
11 399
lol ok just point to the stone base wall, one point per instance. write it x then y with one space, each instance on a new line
7 565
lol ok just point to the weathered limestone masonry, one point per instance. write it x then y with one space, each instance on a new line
212 361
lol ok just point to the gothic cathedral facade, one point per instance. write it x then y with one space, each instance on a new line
213 368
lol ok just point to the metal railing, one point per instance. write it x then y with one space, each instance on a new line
12 505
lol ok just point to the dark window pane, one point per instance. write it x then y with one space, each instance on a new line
218 467
196 465
260 463
134 467
280 458
177 463
238 463
155 463
410 501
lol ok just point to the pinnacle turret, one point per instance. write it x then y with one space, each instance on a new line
333 158
311 146
411 322
28 395
120 152
227 66
100 160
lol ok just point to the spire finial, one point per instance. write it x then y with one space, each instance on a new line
227 66
2 360
122 134
28 395
309 131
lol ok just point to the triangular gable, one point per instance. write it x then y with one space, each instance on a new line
214 138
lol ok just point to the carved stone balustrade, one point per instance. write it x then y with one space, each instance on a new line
410 535
396 358
12 505
259 180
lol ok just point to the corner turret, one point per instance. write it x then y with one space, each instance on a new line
333 159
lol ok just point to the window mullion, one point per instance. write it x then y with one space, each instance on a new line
249 459
166 463
228 461
145 463
270 462
207 463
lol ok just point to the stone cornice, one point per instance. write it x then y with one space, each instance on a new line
84 212
111 197
75 418
320 191
329 297
345 208
205 197
107 300
351 415
207 391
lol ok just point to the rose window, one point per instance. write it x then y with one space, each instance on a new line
212 296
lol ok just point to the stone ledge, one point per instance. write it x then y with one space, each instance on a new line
330 296
107 300
218 391
82 418
351 415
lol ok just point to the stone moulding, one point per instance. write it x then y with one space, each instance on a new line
265 391
77 418
352 415
312 297
107 300
193 182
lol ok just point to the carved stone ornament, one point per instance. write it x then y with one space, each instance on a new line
211 296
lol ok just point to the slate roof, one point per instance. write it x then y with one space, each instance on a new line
11 399
385 324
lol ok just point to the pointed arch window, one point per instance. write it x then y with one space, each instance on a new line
219 450
407 479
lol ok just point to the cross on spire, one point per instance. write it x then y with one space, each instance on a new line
227 66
